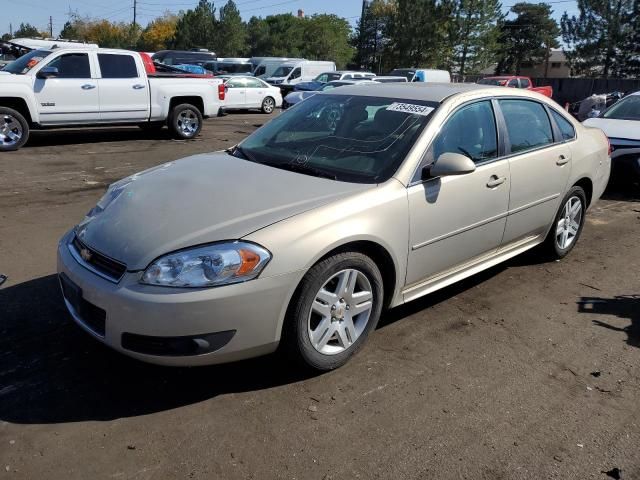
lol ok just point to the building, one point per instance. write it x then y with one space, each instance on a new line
558 67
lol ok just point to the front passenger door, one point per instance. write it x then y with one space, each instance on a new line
454 220
72 96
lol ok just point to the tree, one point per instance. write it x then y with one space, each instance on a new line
6 37
419 33
70 31
528 38
257 36
601 40
372 35
327 39
159 33
196 28
232 39
26 30
475 34
277 36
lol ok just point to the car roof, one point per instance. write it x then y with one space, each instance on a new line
431 92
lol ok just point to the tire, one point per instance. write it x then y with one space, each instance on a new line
14 130
185 121
325 337
560 240
268 105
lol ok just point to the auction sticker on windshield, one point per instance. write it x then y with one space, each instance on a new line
410 108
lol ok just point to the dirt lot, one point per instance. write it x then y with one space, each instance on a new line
528 371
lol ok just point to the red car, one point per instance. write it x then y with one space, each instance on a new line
514 81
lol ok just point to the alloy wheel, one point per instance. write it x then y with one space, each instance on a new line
10 130
568 225
268 105
188 122
340 312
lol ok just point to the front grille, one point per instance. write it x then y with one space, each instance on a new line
102 264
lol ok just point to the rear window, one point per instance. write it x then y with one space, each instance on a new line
117 66
527 124
492 81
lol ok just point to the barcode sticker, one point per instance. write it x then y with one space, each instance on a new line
410 108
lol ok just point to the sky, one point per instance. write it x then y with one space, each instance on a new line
37 12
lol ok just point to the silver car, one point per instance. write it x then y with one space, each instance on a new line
356 200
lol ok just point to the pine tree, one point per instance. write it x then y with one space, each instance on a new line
232 39
476 34
598 39
528 38
196 28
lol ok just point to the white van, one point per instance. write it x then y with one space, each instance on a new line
292 73
263 67
422 75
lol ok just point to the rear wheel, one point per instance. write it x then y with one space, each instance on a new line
336 306
268 105
567 225
185 121
14 130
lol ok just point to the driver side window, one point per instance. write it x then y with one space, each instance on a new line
72 65
295 73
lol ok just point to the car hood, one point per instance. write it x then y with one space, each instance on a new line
616 128
201 199
295 97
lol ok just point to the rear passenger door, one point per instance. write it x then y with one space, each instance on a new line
540 164
256 91
124 91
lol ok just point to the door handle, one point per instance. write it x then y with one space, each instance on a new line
562 160
496 181
88 86
138 86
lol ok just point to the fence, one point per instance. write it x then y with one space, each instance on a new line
575 89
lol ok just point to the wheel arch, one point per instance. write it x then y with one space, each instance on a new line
587 185
19 105
194 100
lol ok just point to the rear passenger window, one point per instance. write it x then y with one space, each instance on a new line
524 83
527 124
566 129
117 66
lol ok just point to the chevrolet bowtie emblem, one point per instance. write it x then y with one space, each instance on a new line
85 254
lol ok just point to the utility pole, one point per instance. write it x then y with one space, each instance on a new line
50 26
135 7
11 29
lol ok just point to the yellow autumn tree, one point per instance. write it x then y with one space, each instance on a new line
159 33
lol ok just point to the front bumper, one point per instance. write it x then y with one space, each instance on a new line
625 157
234 321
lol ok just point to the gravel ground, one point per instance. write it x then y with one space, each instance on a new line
526 371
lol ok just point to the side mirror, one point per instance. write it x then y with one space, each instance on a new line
450 163
48 72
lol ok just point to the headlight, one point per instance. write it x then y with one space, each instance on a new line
208 266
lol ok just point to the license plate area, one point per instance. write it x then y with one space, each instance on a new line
91 316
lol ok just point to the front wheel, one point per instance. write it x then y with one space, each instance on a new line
14 130
567 225
268 105
336 306
185 121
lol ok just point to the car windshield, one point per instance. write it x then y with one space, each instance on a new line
234 67
26 62
349 138
626 109
282 71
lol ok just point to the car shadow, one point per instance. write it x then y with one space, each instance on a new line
621 306
49 138
53 372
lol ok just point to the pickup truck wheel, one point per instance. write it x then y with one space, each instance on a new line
185 121
14 130
268 104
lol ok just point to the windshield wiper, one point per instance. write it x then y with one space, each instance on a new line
237 151
304 168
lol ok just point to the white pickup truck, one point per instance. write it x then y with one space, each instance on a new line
87 85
